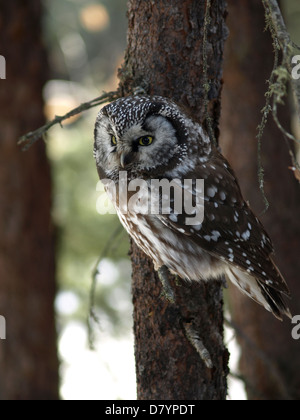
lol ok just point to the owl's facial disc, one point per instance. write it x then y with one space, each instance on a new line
127 147
153 143
137 135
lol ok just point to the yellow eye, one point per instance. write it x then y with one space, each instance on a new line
145 140
113 140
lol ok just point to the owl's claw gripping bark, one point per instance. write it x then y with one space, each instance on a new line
168 292
197 343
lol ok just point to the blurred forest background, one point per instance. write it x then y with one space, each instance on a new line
75 33
85 41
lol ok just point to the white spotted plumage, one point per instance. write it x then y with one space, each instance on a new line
230 240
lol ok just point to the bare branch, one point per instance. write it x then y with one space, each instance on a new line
92 317
30 138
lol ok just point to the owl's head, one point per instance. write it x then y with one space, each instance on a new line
143 135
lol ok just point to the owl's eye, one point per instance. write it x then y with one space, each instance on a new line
113 140
145 140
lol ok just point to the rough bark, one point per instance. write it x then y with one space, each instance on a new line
270 359
28 360
164 56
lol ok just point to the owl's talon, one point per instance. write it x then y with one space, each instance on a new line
168 292
197 343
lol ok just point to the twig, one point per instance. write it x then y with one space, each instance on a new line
280 77
265 114
92 317
30 138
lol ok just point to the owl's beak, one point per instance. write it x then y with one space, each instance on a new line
126 158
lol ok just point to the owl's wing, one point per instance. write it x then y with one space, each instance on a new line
230 231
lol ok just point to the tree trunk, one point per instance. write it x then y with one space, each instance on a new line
28 360
164 57
270 359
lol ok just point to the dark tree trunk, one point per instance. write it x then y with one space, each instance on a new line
28 360
270 359
164 56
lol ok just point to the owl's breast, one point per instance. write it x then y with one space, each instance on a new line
167 247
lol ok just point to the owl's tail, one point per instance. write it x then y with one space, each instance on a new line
260 291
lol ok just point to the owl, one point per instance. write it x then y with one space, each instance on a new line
142 140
